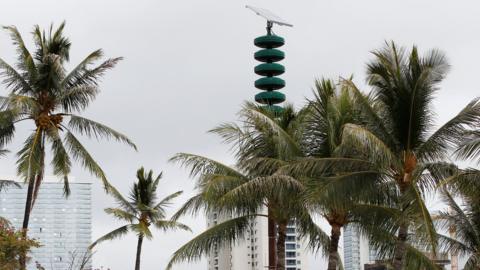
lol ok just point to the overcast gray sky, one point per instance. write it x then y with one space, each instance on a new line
189 65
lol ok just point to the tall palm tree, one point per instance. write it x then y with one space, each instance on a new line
398 138
42 92
335 197
464 223
141 210
263 144
342 199
267 141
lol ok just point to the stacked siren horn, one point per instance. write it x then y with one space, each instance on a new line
269 69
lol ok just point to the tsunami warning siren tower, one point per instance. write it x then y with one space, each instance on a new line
269 69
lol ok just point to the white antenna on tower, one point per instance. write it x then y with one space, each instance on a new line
270 17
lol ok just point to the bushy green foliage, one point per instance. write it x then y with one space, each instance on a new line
12 246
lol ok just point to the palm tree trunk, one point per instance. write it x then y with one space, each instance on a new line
400 248
282 233
33 185
28 205
272 235
333 248
139 252
26 218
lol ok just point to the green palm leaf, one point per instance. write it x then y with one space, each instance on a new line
61 161
94 129
79 153
117 233
224 233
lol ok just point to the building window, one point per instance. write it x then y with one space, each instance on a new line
290 238
291 262
290 246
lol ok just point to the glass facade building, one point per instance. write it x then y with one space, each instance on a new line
62 225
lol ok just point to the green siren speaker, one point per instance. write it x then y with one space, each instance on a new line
269 55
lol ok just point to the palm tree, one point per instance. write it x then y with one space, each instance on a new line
262 145
464 223
141 210
42 92
267 141
329 111
397 136
335 197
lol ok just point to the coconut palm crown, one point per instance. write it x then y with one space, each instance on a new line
263 143
140 210
44 94
398 138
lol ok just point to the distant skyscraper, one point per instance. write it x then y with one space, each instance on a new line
355 249
252 252
359 254
63 226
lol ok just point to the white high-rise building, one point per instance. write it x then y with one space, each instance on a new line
355 249
61 225
358 254
252 252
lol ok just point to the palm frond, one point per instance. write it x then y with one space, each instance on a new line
77 98
357 137
451 134
117 233
452 246
4 184
90 76
469 147
199 165
122 201
121 214
167 201
252 193
319 240
167 225
79 153
13 80
78 72
91 128
285 142
472 262
224 233
416 259
317 167
191 206
25 60
427 225
30 156
373 120
60 161
7 127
